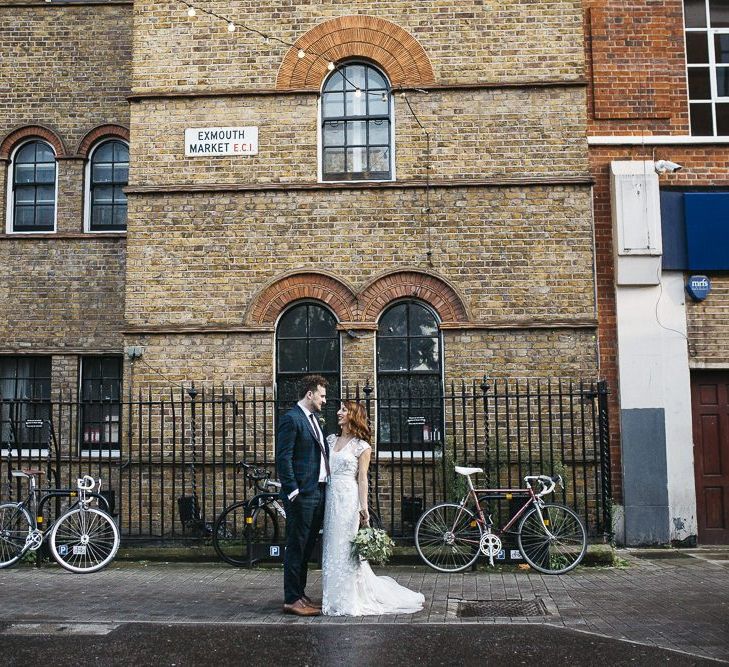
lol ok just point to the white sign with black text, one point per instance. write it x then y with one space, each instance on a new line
207 141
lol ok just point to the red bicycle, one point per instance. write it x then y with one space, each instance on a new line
551 537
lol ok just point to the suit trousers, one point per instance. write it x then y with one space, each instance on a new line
304 517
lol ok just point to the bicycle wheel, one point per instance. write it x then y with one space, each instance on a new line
557 543
84 540
14 530
447 537
230 536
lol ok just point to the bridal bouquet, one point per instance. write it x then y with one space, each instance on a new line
372 544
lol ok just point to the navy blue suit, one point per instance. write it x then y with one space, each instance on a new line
298 462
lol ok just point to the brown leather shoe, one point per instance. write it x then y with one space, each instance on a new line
310 603
300 608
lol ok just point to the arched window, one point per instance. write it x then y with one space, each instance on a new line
409 378
33 188
307 341
356 125
107 176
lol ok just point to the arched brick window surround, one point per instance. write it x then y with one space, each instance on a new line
32 132
364 307
271 302
395 50
431 289
99 133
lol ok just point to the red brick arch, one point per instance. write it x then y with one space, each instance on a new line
31 132
101 132
433 290
395 50
271 302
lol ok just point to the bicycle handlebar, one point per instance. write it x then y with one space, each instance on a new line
547 483
86 483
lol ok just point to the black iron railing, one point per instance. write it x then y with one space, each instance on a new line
168 462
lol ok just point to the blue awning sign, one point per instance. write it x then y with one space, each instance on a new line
698 287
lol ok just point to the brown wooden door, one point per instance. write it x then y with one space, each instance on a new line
710 400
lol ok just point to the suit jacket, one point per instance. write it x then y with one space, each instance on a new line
298 456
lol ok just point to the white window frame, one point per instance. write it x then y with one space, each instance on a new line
711 64
87 189
10 195
319 138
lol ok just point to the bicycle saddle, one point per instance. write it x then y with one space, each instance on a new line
467 471
27 473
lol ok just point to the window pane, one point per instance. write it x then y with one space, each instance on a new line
121 152
697 50
121 173
25 194
102 173
379 160
392 354
356 160
355 77
293 323
393 322
357 132
119 196
45 194
701 121
335 82
321 322
699 83
323 355
104 153
719 13
334 134
333 161
695 13
375 79
379 106
379 132
422 322
120 216
102 215
24 173
333 105
44 216
24 216
356 105
292 356
721 48
722 82
44 153
722 120
424 354
26 153
103 194
45 173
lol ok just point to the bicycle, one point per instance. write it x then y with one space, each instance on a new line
551 537
247 529
82 538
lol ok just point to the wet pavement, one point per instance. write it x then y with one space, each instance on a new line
664 607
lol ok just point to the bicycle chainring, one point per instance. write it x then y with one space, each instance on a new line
34 540
490 545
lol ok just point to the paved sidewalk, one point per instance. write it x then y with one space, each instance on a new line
679 603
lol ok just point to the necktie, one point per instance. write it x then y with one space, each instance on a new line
317 432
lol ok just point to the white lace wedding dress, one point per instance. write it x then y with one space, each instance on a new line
350 587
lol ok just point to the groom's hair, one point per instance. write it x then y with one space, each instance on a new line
310 383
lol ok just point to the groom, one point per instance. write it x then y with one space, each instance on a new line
302 463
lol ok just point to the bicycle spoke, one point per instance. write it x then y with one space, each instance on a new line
553 543
446 539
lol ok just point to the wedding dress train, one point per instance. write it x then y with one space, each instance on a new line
350 587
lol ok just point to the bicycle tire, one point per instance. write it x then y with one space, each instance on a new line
230 536
84 539
559 553
447 537
15 526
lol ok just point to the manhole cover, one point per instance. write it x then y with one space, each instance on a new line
498 608
660 554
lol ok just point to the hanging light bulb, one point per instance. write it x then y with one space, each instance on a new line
384 97
357 92
191 12
231 27
301 53
331 66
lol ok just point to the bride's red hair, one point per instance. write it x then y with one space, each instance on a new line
358 422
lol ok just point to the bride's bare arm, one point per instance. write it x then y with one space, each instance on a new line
364 464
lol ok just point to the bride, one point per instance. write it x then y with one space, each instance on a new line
350 587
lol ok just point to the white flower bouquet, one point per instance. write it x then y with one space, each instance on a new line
372 544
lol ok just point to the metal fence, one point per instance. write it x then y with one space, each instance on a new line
168 462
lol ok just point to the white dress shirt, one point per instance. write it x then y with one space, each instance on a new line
322 463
